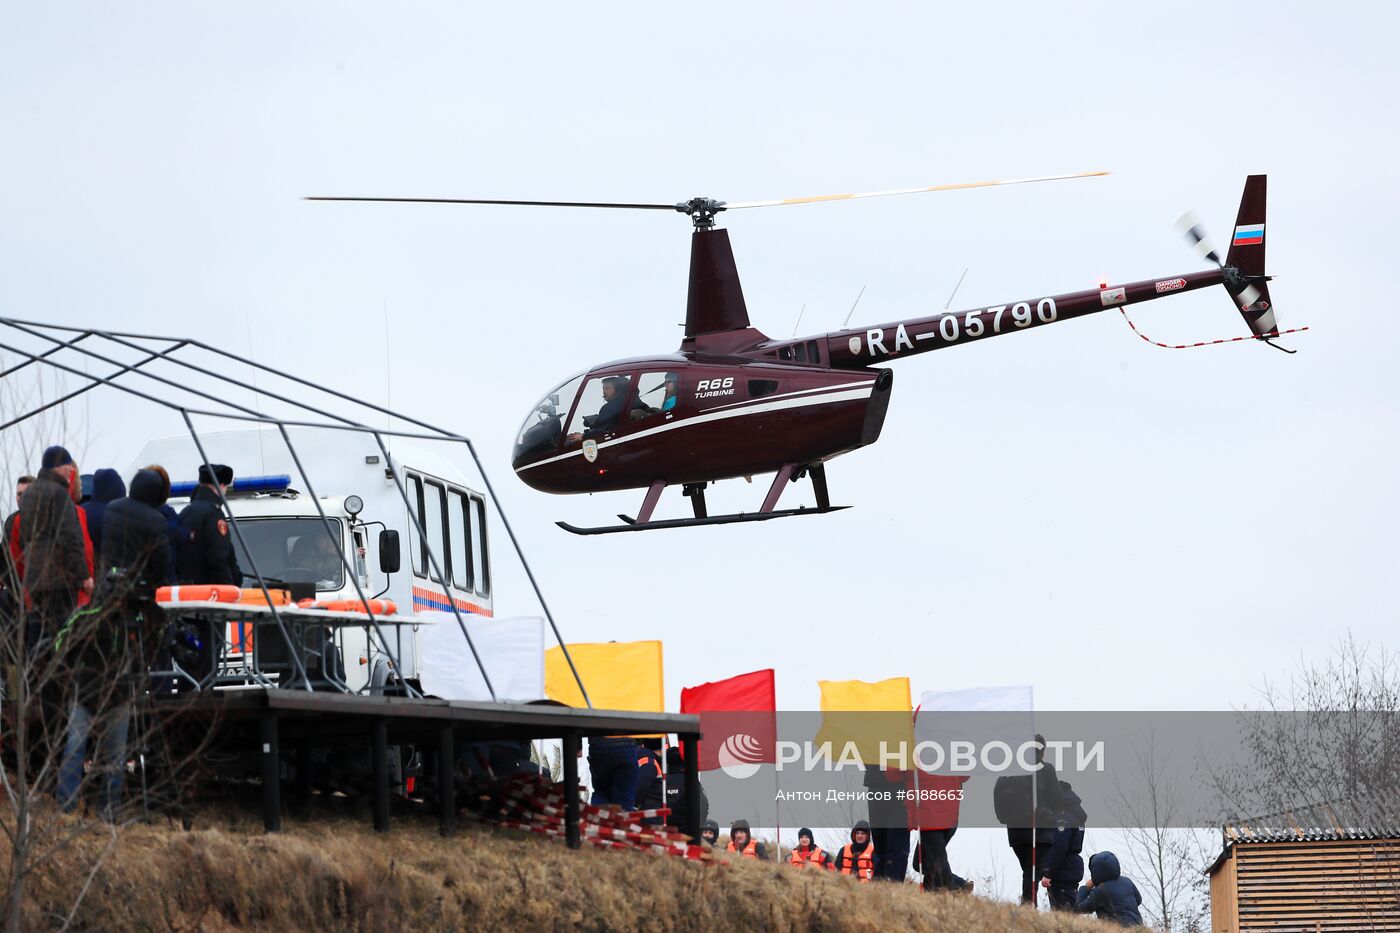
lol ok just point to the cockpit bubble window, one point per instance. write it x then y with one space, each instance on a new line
657 393
545 424
601 408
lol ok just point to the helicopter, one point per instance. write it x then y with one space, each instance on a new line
732 402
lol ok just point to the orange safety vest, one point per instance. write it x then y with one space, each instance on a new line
750 850
863 864
814 857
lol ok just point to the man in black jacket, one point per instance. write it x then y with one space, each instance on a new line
54 548
105 642
1032 845
204 553
1063 868
614 399
890 820
675 793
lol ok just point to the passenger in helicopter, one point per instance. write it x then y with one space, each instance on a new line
673 385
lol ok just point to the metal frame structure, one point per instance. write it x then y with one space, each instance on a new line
294 721
166 351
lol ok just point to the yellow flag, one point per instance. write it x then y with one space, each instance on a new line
623 675
859 715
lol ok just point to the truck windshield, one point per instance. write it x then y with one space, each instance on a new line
293 550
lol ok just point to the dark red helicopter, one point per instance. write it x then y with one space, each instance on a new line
733 402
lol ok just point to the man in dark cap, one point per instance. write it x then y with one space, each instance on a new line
204 553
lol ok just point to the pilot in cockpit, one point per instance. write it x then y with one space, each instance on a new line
614 398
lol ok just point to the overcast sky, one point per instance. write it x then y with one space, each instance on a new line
1119 525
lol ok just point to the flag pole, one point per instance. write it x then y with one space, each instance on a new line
1035 787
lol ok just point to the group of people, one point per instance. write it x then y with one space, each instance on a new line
1048 851
78 577
643 775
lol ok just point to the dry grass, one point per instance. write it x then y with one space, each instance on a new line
338 875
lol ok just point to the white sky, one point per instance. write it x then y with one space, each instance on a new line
1119 525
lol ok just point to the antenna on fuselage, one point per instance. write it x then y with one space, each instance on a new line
853 307
947 305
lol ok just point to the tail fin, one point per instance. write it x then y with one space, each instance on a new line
1246 256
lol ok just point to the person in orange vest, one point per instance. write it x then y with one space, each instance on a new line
808 854
741 840
857 857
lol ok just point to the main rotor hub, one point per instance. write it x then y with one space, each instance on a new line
702 211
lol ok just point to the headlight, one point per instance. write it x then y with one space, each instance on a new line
354 505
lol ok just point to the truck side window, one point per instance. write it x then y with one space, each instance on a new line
481 554
459 544
415 548
435 502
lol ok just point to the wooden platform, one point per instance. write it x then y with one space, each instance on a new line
300 720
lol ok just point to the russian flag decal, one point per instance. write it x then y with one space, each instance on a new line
1248 235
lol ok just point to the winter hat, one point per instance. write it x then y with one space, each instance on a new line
55 457
222 473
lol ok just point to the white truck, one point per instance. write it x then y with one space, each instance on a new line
271 503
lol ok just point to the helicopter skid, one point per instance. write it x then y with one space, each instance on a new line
631 524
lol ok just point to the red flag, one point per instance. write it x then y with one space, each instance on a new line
728 711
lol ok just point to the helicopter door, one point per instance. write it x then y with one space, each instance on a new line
655 403
601 409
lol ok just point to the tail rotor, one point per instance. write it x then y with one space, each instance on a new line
1243 265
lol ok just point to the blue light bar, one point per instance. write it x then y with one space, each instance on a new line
243 486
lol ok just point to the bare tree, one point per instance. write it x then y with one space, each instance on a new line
86 676
1167 862
1332 733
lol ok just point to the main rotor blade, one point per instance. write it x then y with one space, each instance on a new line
639 207
882 194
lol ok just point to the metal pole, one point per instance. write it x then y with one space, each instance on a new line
271 789
165 403
87 388
690 752
47 353
248 414
446 781
437 568
496 500
379 748
571 809
262 584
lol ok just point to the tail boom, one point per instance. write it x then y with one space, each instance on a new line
856 349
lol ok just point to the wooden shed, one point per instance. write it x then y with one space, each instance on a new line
1326 868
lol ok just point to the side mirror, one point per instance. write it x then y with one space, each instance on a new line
388 551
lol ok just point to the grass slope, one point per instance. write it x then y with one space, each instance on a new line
337 874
